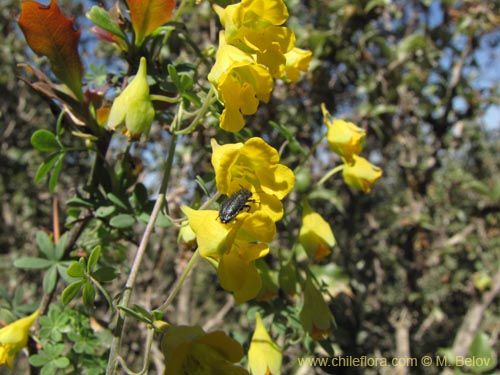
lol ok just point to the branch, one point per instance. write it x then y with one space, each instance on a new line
473 319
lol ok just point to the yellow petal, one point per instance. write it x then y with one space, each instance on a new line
264 356
361 174
315 234
14 337
211 234
237 272
297 60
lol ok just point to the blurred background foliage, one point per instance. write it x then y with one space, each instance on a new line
420 255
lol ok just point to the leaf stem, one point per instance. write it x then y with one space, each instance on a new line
177 287
203 110
335 170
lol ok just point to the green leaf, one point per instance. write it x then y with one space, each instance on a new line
62 362
105 274
49 280
33 263
71 291
483 355
45 167
143 311
88 294
134 314
61 246
185 83
76 269
105 211
117 201
45 244
382 109
101 18
172 72
45 141
79 202
192 97
55 173
122 221
410 44
38 360
93 258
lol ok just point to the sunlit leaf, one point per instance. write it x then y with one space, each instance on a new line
45 244
32 263
76 269
49 280
102 18
49 33
93 258
122 221
148 15
71 291
44 140
45 168
88 294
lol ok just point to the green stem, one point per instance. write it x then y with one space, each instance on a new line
147 355
165 99
203 110
129 285
335 170
103 291
177 287
180 10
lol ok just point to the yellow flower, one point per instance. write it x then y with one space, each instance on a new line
215 239
254 166
315 315
14 337
344 138
232 248
237 272
134 106
361 174
315 235
189 350
240 84
186 234
253 27
264 356
297 60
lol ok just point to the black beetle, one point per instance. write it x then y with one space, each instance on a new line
233 205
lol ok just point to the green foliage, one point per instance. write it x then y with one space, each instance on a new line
86 350
52 261
89 278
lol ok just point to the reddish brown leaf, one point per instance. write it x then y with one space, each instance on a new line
50 34
147 15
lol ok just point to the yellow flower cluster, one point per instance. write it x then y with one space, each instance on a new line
233 247
346 140
254 49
